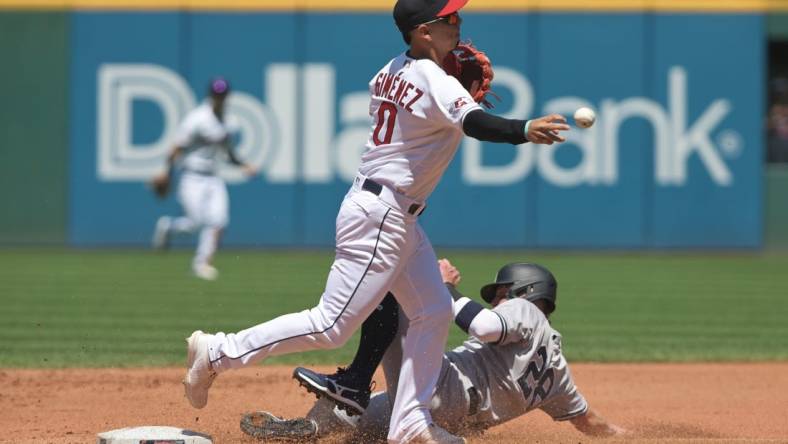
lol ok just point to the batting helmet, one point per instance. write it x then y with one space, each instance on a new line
531 281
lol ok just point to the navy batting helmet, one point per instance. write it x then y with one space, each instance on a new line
530 281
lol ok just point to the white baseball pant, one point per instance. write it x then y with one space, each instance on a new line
206 204
379 247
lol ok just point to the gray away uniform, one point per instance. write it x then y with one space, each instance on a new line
482 384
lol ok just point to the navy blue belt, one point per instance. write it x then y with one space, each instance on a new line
200 173
375 188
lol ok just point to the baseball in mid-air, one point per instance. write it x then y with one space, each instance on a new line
585 117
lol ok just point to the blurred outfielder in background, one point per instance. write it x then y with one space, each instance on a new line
203 141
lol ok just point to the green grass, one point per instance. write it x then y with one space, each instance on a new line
62 308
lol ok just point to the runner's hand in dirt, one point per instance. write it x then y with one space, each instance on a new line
592 424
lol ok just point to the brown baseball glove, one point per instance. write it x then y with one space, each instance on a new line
473 69
160 185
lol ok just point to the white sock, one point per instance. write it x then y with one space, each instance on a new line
207 245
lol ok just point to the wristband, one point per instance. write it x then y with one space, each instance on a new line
525 130
455 294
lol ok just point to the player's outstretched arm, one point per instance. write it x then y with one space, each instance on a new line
247 169
161 182
469 315
592 424
175 153
491 128
172 158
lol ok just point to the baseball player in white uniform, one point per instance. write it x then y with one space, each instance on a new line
202 141
512 364
419 115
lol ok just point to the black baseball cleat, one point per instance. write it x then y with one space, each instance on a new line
342 388
267 427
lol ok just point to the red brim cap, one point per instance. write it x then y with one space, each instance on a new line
451 7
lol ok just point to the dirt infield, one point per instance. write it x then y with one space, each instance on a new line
659 403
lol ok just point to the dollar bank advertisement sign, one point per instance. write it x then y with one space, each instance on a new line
673 160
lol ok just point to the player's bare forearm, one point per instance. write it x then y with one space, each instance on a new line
175 153
247 169
160 184
592 424
231 153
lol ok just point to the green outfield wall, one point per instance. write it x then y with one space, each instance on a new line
777 26
775 233
33 126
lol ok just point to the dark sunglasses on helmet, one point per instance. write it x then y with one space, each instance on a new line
451 19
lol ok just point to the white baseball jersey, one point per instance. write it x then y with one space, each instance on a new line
202 193
525 370
201 135
417 112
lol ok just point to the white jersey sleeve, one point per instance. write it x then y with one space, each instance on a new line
452 101
486 325
186 134
565 401
202 136
519 318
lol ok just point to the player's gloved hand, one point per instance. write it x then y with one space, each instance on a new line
473 69
449 272
160 185
546 130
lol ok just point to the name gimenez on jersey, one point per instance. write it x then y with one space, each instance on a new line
394 89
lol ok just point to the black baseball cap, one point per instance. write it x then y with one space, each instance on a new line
411 13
